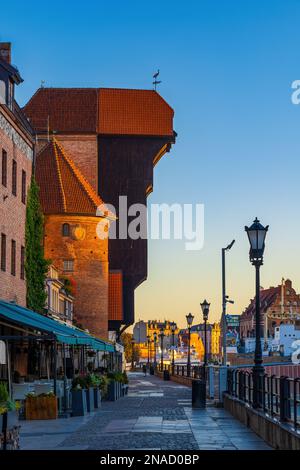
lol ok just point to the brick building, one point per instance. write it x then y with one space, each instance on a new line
279 305
115 138
16 154
70 234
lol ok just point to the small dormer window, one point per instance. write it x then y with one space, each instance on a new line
66 230
10 94
2 92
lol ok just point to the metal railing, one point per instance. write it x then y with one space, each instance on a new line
182 370
279 397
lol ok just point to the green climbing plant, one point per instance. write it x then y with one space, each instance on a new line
36 266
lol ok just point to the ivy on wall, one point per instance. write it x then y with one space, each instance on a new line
36 266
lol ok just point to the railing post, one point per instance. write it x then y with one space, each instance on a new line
211 385
284 399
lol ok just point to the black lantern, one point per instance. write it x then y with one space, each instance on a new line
205 309
256 235
189 319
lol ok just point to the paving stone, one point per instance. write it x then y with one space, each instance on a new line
154 416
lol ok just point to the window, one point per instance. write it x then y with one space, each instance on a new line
4 168
14 178
13 258
3 252
22 268
66 230
69 265
23 186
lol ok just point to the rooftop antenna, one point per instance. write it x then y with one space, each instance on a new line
156 82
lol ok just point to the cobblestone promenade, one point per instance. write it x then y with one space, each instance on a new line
155 415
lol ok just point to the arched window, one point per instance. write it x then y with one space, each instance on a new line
66 230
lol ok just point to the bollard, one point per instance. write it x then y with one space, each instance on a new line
198 393
166 375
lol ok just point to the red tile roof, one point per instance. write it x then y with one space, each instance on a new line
267 297
63 189
135 112
100 110
65 109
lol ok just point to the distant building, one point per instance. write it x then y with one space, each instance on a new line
16 157
143 329
59 299
215 340
279 305
285 336
197 344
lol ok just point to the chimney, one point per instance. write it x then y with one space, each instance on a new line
5 51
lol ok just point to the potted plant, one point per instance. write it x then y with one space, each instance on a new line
89 393
96 382
125 383
78 392
9 420
104 381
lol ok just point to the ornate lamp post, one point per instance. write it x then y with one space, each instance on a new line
189 319
205 310
155 341
161 335
256 235
173 329
148 344
132 353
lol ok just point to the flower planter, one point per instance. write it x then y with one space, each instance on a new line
12 419
90 399
112 391
79 407
41 408
97 397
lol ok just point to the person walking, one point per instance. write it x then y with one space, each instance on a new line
144 370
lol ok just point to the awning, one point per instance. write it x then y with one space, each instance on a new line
63 333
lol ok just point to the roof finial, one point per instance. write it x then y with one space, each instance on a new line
42 83
156 82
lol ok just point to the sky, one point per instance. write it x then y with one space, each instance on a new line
226 69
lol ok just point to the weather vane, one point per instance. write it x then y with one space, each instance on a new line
156 82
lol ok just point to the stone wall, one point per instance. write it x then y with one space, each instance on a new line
278 435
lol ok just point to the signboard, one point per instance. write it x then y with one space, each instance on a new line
233 333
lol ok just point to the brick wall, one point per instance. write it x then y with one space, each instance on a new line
90 255
83 150
12 216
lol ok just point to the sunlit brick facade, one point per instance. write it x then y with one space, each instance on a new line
16 155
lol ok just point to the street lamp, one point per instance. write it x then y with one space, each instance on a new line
205 310
256 235
189 320
173 329
155 341
148 344
132 353
225 300
162 335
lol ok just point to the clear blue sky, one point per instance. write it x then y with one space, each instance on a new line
227 68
